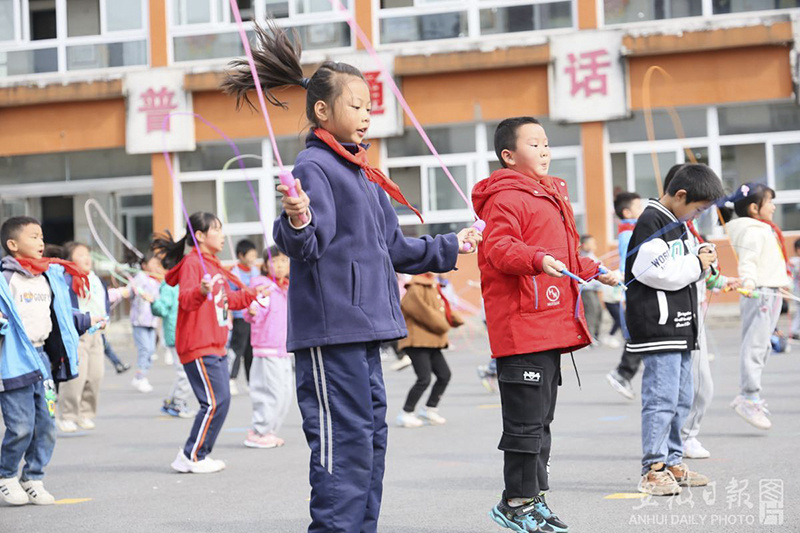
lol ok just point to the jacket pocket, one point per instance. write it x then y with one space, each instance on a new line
528 295
663 308
356 284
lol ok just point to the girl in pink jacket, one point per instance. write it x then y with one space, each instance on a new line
271 380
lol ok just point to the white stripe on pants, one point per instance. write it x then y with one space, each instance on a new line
759 319
271 385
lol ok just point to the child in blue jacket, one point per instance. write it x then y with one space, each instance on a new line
344 241
39 345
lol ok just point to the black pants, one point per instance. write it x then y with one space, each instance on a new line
240 344
615 310
528 390
425 361
629 364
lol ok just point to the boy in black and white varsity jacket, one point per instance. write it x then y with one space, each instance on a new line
661 272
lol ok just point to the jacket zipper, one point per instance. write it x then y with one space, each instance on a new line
535 294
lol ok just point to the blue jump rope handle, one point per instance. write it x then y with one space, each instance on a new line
97 326
573 276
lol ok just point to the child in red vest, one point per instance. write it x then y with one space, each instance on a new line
531 312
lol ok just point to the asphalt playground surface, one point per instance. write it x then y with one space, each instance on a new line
438 479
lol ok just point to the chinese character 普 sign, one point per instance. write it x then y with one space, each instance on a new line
150 98
587 77
386 119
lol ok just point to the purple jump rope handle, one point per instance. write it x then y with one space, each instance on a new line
288 180
479 225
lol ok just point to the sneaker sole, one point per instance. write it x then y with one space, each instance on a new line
696 456
16 503
260 446
504 522
749 421
619 388
179 468
666 492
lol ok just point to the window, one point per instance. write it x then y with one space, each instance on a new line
468 152
742 143
206 186
206 29
88 164
622 11
96 34
406 21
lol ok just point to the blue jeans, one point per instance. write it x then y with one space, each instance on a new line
145 340
667 393
30 430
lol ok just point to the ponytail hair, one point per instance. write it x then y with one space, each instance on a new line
277 60
172 251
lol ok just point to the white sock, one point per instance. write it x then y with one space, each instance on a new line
518 502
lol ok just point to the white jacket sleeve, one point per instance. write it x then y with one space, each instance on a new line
657 268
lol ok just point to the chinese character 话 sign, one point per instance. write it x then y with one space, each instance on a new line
386 119
587 77
151 97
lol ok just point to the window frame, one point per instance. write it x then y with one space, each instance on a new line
713 141
472 8
707 15
22 40
223 23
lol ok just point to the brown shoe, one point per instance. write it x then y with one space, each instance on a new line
659 481
686 478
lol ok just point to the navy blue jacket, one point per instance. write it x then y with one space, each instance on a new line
343 284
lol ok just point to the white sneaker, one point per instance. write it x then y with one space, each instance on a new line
86 423
142 385
37 494
753 411
611 342
169 360
234 388
12 492
408 420
208 465
692 449
431 416
67 426
405 362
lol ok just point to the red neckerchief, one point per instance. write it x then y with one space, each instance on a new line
243 268
781 242
625 226
152 276
80 281
373 174
693 231
566 208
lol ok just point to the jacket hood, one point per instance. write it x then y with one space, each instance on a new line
504 179
11 264
173 276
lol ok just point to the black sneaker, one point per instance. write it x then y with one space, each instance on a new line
522 519
549 516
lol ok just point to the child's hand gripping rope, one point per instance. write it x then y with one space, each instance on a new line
295 201
606 277
97 324
477 228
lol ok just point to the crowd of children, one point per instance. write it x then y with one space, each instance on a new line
340 238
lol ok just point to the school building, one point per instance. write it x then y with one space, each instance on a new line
86 88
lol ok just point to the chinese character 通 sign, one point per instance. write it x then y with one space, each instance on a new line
157 105
584 70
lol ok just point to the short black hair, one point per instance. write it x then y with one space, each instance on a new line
12 227
751 193
244 246
671 174
797 244
699 181
623 201
505 136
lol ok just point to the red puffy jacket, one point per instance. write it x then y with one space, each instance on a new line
528 311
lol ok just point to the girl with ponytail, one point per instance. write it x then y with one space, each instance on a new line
345 244
202 330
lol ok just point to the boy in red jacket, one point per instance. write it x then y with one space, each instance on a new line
532 318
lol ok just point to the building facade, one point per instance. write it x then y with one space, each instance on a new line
724 94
